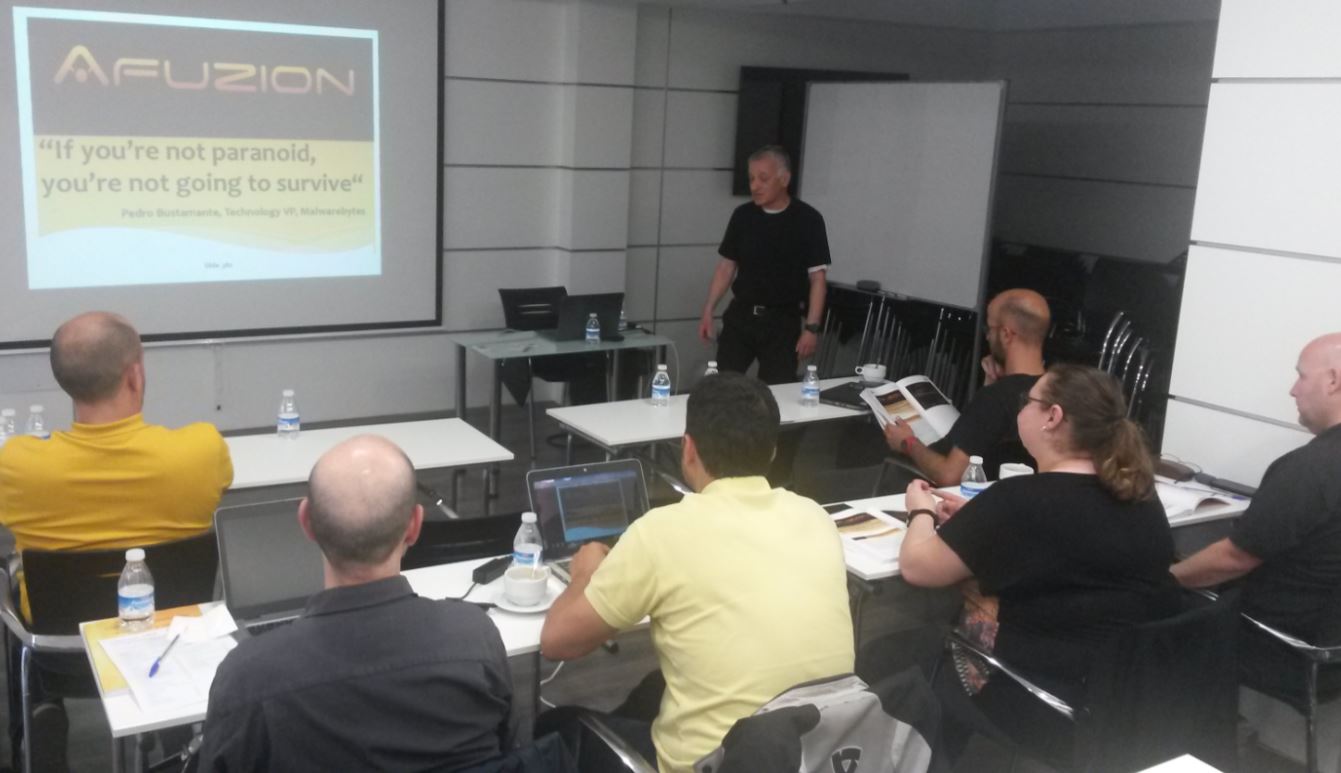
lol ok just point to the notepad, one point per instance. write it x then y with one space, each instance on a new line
184 676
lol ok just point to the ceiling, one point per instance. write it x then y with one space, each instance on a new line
996 15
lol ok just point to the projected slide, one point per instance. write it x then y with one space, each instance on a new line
165 149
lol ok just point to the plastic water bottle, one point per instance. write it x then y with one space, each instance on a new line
810 388
974 480
712 368
661 387
526 546
37 422
7 428
623 321
593 330
288 424
135 593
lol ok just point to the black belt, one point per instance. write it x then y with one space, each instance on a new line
760 309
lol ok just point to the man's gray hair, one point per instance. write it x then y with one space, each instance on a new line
775 152
90 354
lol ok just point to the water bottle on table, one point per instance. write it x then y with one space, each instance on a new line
974 480
593 330
810 388
288 424
526 546
135 593
37 422
661 387
7 426
712 368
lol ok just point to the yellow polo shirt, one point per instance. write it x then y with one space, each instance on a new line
747 593
115 485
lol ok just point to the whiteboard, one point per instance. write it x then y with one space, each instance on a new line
903 174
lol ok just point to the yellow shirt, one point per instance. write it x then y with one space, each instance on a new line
115 485
747 592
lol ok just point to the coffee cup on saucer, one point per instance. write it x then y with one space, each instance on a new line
525 586
871 372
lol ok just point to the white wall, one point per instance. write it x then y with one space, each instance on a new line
1102 134
1265 262
684 117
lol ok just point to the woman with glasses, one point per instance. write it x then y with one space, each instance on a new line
1050 564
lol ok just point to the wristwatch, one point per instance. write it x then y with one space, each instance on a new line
812 327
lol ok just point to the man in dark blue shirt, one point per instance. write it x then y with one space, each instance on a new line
371 677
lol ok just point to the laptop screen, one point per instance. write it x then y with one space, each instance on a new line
586 502
268 564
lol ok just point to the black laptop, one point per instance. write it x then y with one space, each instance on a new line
585 503
270 568
574 311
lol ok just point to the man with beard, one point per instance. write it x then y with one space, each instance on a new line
1017 324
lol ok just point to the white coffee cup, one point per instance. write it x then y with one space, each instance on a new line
1011 469
525 586
871 372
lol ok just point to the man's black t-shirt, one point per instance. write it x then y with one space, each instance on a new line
987 428
1070 565
1294 526
775 252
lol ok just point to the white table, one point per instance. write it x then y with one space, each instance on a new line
269 460
520 634
628 423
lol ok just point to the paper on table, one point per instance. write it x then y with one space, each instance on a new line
871 532
211 625
183 677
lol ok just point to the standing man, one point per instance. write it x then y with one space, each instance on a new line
776 251
1288 542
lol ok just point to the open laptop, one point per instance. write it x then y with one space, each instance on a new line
574 311
584 503
269 567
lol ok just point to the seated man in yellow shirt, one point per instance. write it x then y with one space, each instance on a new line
111 481
745 585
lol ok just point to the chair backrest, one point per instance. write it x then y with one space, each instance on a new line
1163 689
442 542
531 308
67 587
836 724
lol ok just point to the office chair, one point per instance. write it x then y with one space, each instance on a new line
536 308
66 588
1313 658
1155 691
442 542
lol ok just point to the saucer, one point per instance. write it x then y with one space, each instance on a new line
551 593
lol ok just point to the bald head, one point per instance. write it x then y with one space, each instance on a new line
360 501
1023 311
91 353
1317 389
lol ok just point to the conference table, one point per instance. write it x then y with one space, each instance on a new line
269 460
498 346
625 424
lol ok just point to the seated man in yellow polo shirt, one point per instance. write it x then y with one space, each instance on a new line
111 481
745 585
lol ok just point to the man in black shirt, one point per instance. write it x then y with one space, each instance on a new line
776 251
371 677
1017 325
1288 542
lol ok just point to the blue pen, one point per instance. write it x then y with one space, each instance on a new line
154 668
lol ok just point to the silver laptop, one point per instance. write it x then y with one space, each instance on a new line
585 503
269 567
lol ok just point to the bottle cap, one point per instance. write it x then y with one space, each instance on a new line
35 409
593 314
812 367
712 363
135 554
287 393
661 367
975 460
528 517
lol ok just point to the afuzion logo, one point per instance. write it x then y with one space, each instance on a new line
219 76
